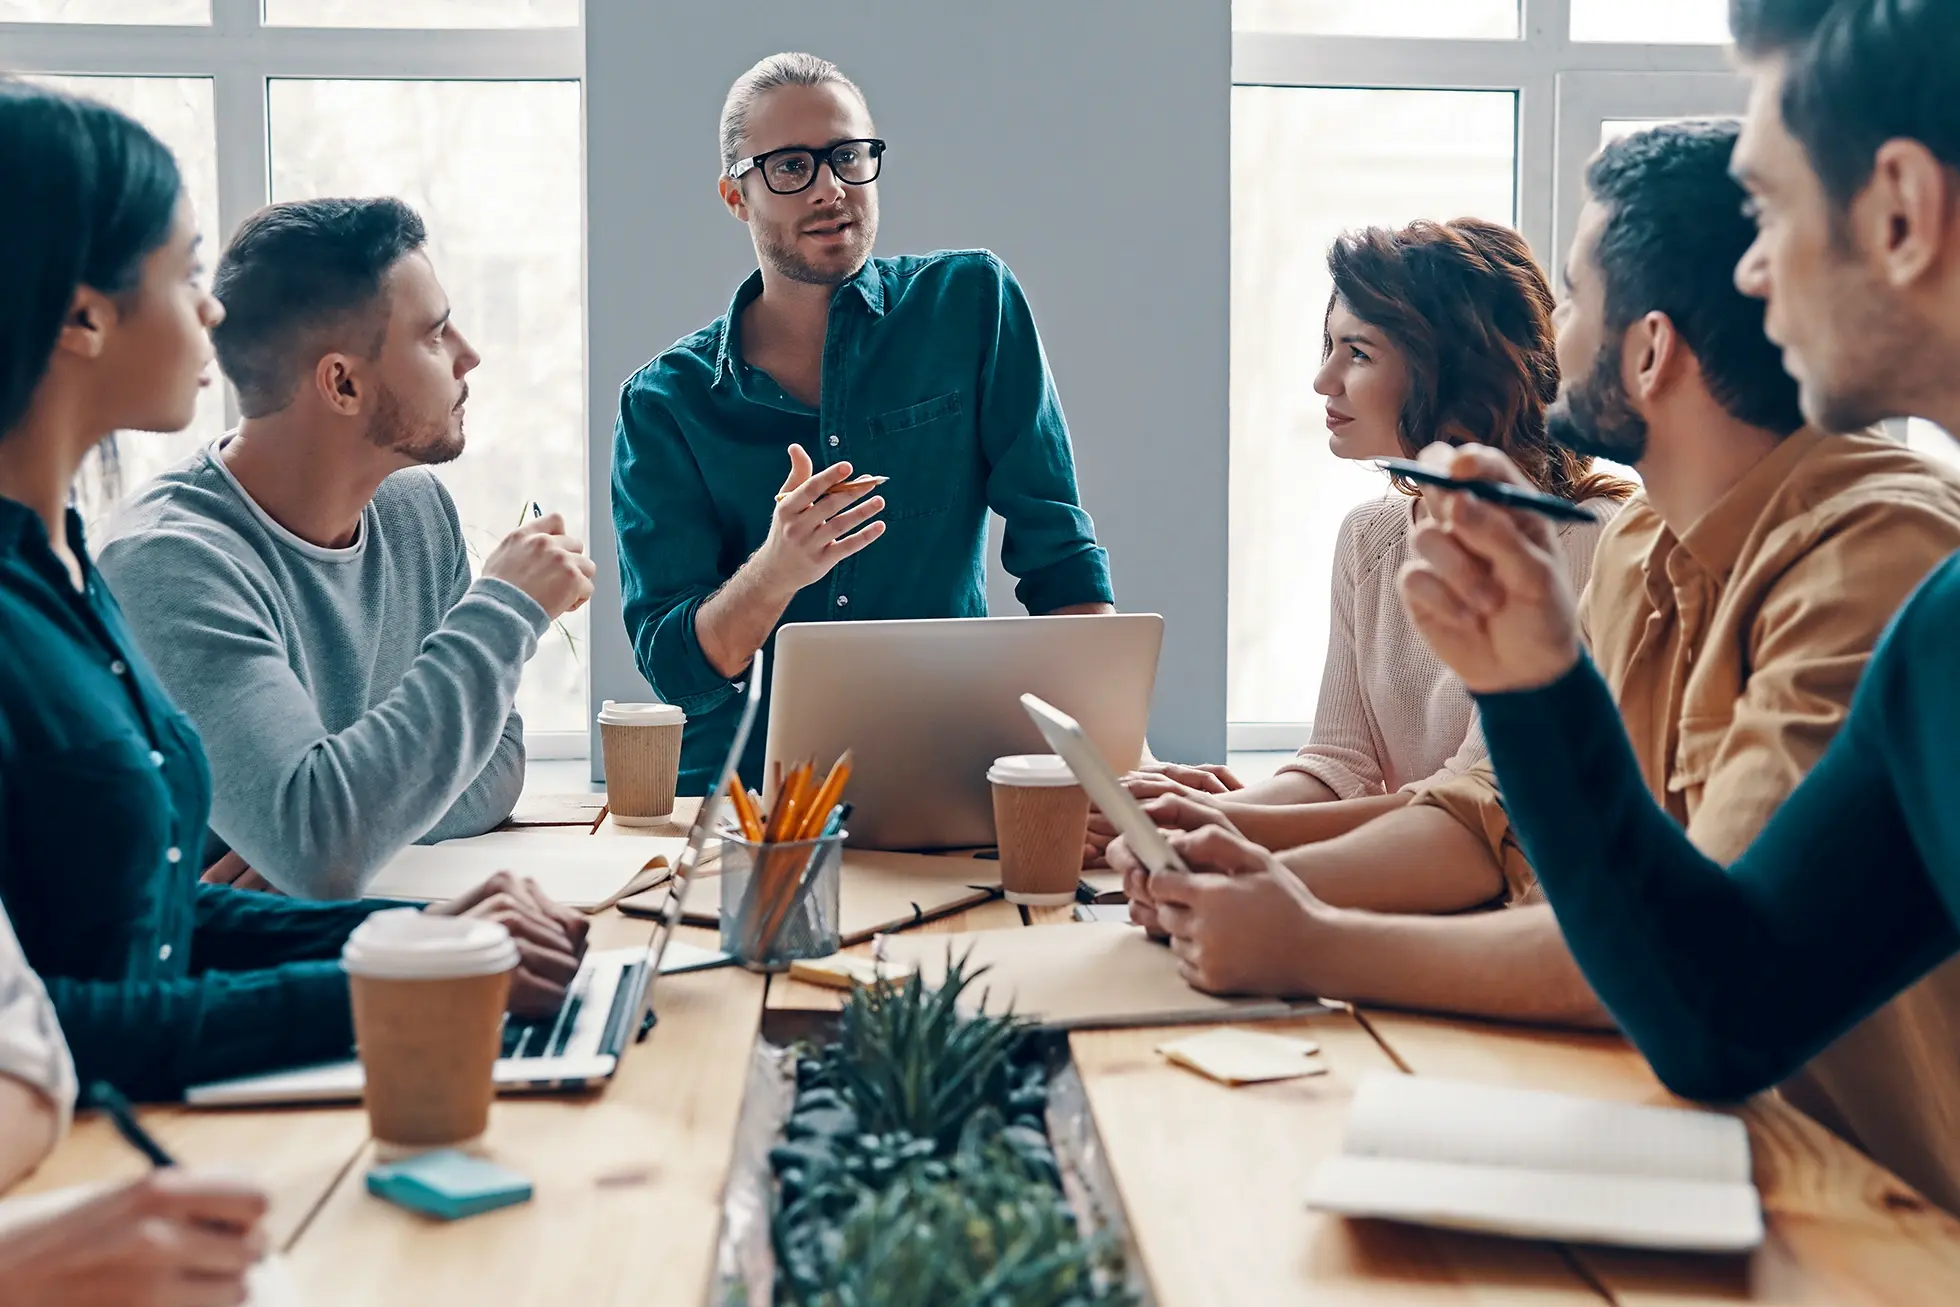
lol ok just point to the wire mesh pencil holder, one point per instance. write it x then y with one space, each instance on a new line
779 902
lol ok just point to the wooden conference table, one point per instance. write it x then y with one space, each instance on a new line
629 1181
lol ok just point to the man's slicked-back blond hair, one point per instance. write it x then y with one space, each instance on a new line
773 73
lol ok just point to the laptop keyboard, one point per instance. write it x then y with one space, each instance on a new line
551 1036
547 1037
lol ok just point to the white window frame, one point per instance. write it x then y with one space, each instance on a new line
1566 89
240 54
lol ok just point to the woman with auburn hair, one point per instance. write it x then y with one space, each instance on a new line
1435 332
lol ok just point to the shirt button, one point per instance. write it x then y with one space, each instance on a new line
119 667
173 855
156 758
843 601
163 954
833 442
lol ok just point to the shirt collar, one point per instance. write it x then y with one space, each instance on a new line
867 282
1716 541
19 524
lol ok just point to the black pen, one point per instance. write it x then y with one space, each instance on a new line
1496 492
102 1094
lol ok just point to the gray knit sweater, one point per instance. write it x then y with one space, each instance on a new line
352 701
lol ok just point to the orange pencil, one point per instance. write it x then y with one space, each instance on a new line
832 789
783 821
745 813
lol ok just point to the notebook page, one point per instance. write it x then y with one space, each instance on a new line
1434 1120
1639 1212
576 870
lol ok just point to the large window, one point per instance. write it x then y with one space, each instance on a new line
469 110
1347 115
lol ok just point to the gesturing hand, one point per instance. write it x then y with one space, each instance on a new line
550 938
171 1239
1485 587
813 530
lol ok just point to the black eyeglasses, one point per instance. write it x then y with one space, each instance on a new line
855 163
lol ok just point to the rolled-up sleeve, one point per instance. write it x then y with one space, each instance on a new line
1049 543
669 549
1473 801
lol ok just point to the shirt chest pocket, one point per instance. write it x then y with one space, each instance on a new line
1694 759
929 450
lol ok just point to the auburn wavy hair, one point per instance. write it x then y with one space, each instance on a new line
1468 307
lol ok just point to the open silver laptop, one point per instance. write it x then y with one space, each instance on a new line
926 706
608 1004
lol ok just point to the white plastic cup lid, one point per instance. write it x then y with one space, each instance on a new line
641 714
409 944
1031 771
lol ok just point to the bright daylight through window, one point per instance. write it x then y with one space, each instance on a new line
487 147
1341 119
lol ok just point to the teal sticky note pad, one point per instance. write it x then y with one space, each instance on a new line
447 1184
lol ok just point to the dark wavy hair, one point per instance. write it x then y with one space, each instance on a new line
93 195
1472 314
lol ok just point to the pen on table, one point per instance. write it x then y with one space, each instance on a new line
104 1095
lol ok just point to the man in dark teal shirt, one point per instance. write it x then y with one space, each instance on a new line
925 370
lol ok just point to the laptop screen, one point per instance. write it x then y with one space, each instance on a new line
697 838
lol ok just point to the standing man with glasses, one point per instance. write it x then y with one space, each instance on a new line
733 446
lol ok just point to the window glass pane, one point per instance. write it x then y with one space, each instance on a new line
494 170
1652 22
1491 19
1618 129
174 13
421 13
1306 164
178 110
1932 441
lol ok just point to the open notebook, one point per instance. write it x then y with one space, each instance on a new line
1544 1166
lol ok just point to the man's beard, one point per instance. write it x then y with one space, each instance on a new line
422 441
1595 418
781 253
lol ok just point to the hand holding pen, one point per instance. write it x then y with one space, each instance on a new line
174 1237
545 563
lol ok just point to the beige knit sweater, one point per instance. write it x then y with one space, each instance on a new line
1391 714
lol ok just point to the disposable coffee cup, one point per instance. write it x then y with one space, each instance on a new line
642 744
429 998
1041 819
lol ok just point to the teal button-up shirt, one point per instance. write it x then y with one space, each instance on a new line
159 982
934 376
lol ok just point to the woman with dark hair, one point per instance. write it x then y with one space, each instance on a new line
159 982
1435 332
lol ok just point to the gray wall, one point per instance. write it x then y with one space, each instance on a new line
1087 142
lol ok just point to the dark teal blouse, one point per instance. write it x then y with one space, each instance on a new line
159 981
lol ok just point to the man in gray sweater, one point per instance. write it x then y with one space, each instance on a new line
302 586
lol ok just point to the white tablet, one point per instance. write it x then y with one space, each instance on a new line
1065 736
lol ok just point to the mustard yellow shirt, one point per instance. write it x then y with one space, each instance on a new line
1733 652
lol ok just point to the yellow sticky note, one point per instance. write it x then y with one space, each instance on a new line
841 971
1242 1057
